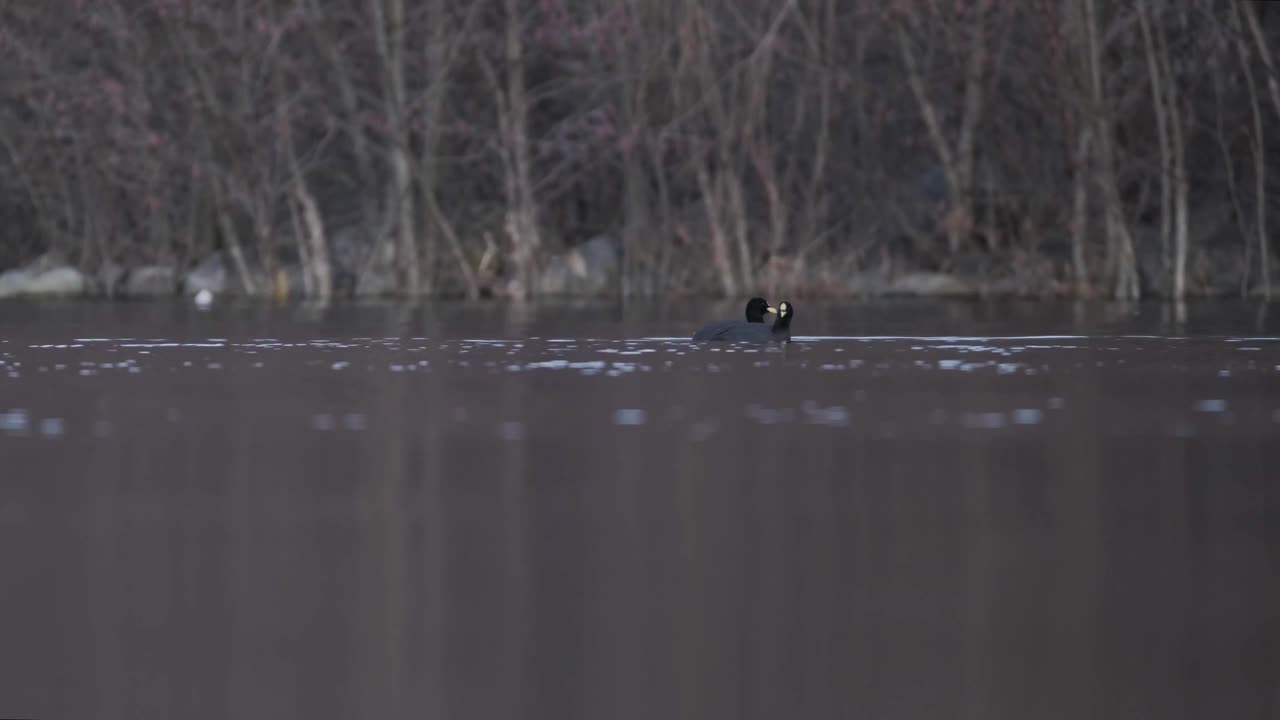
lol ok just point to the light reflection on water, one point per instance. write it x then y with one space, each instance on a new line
857 358
376 525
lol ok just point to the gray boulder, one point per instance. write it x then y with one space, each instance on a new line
588 269
45 277
931 284
209 274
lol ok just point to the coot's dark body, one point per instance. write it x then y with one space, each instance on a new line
756 309
780 331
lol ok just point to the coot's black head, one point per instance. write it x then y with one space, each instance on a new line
756 309
785 312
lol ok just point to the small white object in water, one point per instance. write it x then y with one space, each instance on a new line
629 416
13 421
1027 416
983 420
1212 406
204 298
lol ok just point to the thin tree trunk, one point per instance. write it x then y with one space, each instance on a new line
317 245
760 149
375 220
719 239
1181 184
816 205
1259 148
637 218
1233 189
469 283
389 39
1080 212
761 158
349 101
524 213
726 196
933 125
1162 134
741 226
441 50
974 77
311 224
438 60
957 162
407 246
1173 176
1119 241
231 239
666 249
637 221
1264 51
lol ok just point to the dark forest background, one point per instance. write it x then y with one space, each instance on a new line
1038 147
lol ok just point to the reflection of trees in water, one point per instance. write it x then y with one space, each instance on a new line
473 541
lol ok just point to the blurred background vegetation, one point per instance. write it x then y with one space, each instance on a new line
1116 148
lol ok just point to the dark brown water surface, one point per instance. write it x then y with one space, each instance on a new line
913 511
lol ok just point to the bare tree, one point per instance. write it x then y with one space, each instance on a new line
512 102
388 21
1258 137
731 146
957 158
1124 264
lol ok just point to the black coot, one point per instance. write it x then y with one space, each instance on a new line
756 309
780 331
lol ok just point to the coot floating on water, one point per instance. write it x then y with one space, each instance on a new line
780 331
756 309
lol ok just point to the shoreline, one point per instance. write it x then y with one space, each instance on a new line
44 280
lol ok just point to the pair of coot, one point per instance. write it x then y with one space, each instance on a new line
754 328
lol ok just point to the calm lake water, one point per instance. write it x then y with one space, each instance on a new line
916 510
